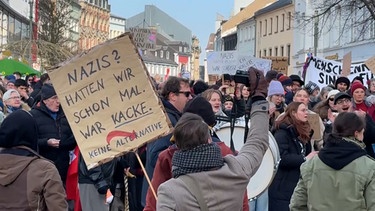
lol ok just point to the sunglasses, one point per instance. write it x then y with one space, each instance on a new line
187 94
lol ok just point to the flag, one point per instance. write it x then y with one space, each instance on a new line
72 191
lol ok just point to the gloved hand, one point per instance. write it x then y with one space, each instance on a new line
258 84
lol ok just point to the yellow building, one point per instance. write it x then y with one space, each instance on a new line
274 26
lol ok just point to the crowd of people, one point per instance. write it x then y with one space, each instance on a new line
325 166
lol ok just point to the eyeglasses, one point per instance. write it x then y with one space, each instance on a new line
331 99
187 94
15 98
341 101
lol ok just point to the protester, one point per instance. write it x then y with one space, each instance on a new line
12 102
50 119
271 75
341 177
342 84
214 97
313 90
22 88
327 105
276 99
359 103
297 82
27 180
221 182
228 104
292 134
175 94
163 169
287 84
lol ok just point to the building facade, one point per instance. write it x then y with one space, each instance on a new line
246 37
274 36
116 26
94 23
195 52
74 29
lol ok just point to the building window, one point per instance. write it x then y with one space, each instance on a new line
185 50
260 28
180 48
161 54
271 21
270 52
276 49
156 54
288 53
282 50
264 52
167 55
282 22
277 24
289 20
265 28
260 54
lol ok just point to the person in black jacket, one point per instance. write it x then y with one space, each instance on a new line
292 134
50 119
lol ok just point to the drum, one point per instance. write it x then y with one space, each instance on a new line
260 181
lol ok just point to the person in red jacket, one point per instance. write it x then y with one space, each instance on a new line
163 168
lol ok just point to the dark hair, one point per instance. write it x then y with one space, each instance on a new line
190 131
199 87
303 128
44 77
173 85
347 123
17 73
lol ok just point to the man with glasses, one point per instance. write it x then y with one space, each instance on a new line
174 96
343 102
22 88
12 102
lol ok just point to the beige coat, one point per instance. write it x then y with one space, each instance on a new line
222 189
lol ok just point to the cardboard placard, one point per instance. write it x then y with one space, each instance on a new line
314 120
346 63
279 63
370 63
144 38
109 100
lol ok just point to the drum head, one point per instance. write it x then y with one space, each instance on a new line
260 181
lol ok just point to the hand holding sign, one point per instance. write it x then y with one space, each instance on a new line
346 64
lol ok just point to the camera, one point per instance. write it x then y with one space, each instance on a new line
242 77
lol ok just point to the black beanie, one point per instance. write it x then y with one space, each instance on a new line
199 87
47 91
200 106
19 129
342 79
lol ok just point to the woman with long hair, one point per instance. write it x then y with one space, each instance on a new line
341 177
326 106
292 133
214 97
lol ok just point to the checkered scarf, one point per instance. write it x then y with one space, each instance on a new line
204 157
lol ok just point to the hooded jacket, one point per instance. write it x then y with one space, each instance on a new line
341 177
27 180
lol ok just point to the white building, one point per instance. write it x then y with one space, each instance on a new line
116 26
246 37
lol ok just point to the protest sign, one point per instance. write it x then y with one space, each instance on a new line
279 63
324 72
220 62
109 100
346 63
144 38
314 121
370 63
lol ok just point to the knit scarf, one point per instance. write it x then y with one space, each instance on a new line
204 157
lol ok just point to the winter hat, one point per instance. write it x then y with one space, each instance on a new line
332 93
226 77
342 79
7 94
228 98
19 129
200 106
297 79
199 87
10 77
271 75
311 87
47 91
341 95
357 85
285 80
275 88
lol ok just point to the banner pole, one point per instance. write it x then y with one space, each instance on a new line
146 175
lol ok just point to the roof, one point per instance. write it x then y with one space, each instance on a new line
117 17
152 59
277 5
229 27
210 44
